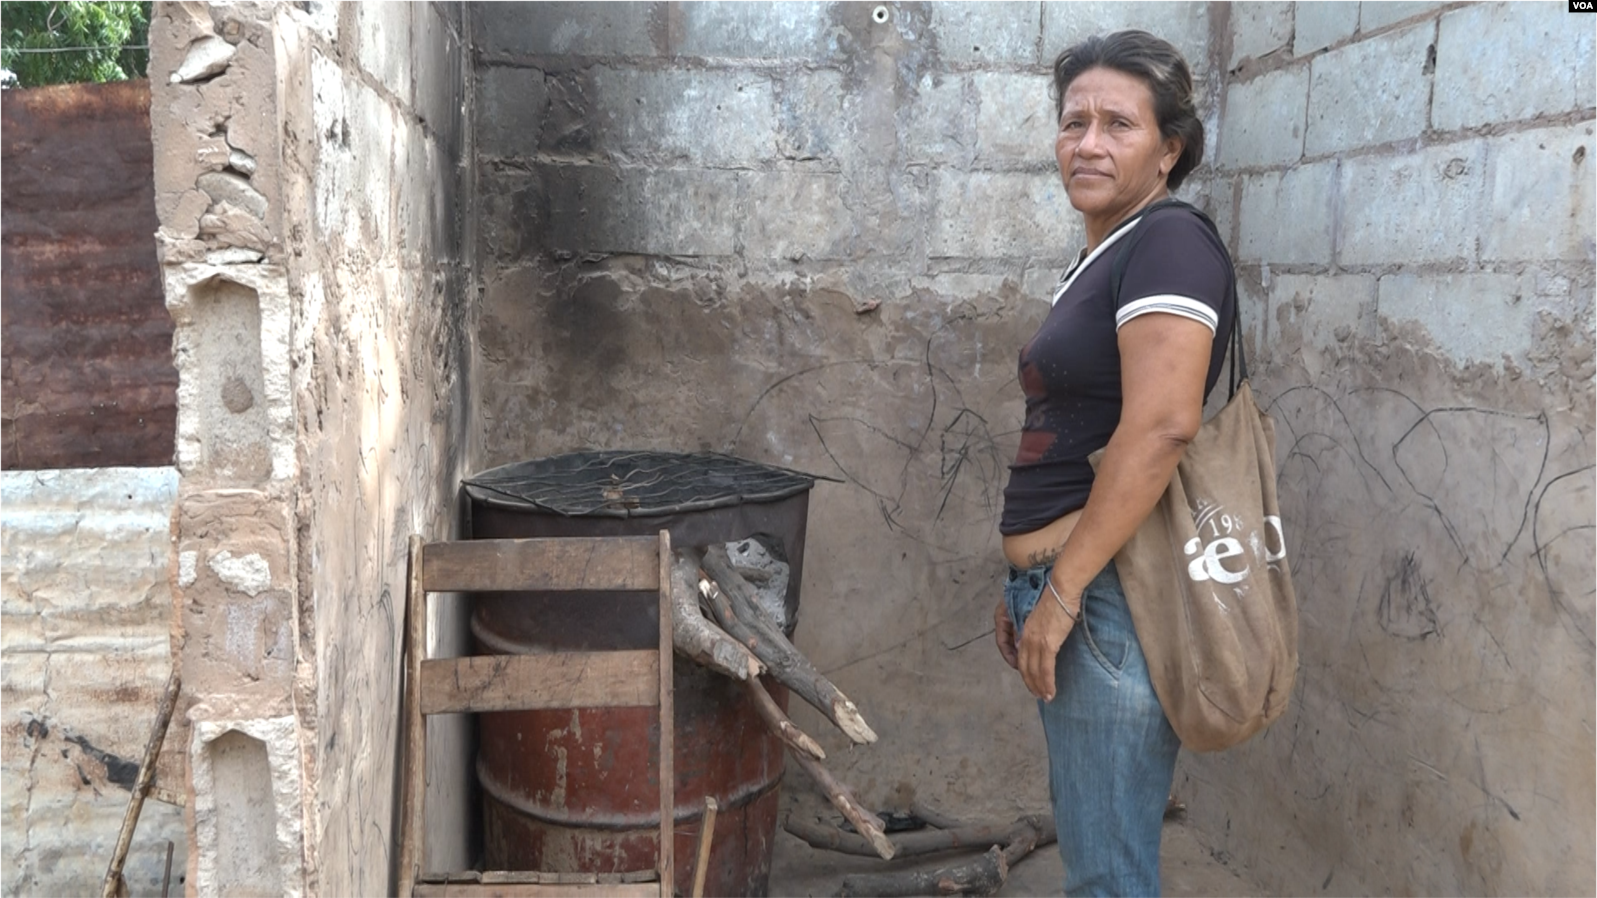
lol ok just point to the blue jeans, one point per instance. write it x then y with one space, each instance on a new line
1111 752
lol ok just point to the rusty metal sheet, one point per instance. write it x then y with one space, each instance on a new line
86 373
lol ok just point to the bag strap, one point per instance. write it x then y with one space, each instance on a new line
1117 273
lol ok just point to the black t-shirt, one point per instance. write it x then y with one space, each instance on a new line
1070 370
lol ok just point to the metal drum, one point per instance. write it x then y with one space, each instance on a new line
575 790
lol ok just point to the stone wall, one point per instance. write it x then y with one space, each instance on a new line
86 344
314 238
1410 192
86 617
795 233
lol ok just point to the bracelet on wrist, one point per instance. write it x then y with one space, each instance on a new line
1074 618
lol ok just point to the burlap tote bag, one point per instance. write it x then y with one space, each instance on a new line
1209 587
1207 580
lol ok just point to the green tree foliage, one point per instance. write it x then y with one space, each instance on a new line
66 42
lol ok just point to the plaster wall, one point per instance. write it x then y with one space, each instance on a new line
792 233
1410 190
314 239
85 650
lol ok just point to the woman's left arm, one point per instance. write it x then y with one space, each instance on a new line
1164 361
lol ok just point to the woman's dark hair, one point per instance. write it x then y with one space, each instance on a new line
1157 64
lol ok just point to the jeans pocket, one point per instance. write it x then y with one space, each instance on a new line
1110 640
1021 590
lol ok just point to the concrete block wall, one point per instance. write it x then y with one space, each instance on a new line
85 650
1411 196
314 239
798 234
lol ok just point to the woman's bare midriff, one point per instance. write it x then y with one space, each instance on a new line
1024 550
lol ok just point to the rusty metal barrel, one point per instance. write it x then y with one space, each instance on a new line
575 790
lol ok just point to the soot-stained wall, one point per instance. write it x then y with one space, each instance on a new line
312 182
803 236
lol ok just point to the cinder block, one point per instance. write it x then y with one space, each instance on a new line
1263 124
1477 317
426 205
939 126
1014 119
976 33
665 212
1319 25
804 216
1381 14
1259 29
439 76
1541 196
1329 313
511 106
1413 207
672 117
1370 92
1503 62
754 30
569 28
1185 25
383 44
1042 279
512 211
817 117
354 164
1285 217
1002 216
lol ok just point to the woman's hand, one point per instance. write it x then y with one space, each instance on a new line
1046 630
1004 632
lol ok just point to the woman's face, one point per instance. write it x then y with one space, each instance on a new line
1110 154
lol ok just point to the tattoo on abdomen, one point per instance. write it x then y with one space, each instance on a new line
1041 557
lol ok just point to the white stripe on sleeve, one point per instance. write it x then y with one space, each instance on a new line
1185 306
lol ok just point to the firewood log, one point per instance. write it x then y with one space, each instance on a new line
868 824
733 604
909 844
697 638
982 876
778 722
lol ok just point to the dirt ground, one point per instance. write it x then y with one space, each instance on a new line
1187 870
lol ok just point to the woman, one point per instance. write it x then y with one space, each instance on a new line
1127 373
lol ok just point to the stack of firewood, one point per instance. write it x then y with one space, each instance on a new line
740 640
720 622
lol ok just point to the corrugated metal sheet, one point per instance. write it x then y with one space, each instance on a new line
86 349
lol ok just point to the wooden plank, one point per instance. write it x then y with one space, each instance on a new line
526 682
491 877
515 876
666 860
414 783
575 563
537 890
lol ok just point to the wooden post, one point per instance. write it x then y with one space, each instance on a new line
667 865
141 787
706 835
414 782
